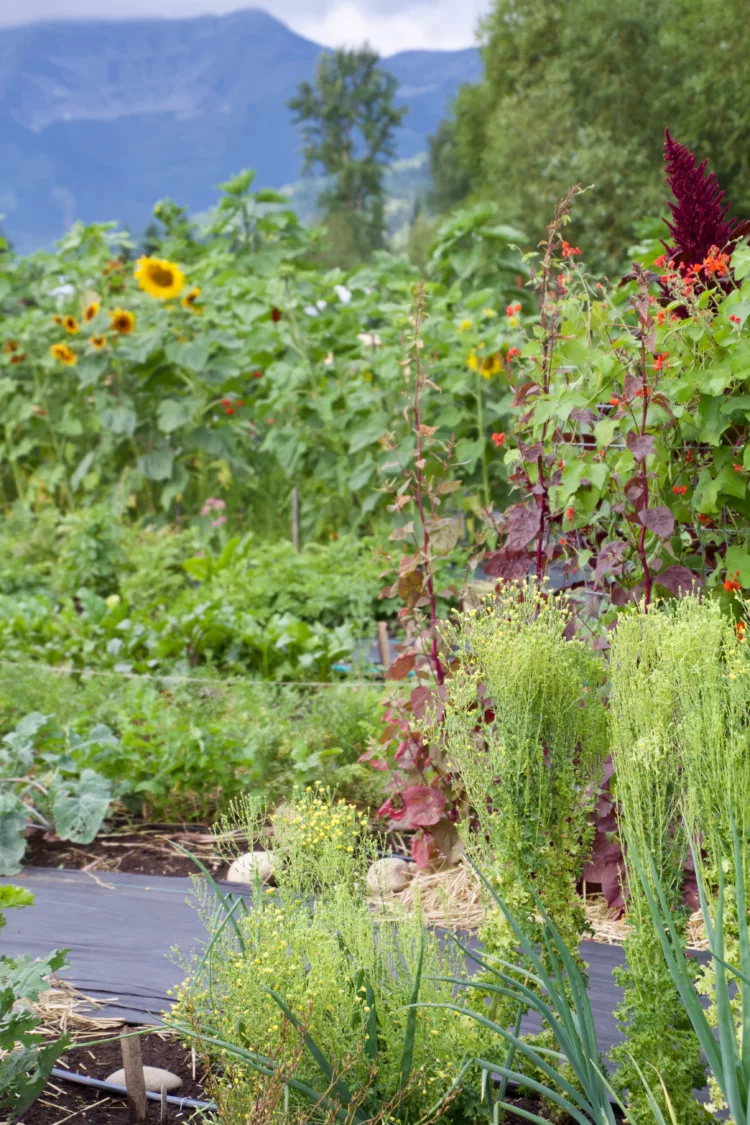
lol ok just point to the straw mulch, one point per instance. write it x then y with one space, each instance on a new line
452 897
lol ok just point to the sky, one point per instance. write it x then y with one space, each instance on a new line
389 25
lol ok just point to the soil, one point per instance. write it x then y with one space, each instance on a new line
147 850
65 1102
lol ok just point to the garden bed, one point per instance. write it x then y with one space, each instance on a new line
144 850
61 1100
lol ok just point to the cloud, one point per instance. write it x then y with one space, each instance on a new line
389 25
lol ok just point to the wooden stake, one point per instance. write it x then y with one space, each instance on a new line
384 644
134 1082
164 1115
295 518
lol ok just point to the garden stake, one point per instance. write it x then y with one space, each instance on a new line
384 645
134 1081
295 518
164 1108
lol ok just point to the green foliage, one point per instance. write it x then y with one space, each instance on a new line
266 372
183 751
725 1051
523 709
348 979
45 782
558 106
348 121
26 1056
649 652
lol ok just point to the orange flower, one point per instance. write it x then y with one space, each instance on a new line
680 489
570 513
498 440
18 358
660 360
733 584
11 346
741 628
90 311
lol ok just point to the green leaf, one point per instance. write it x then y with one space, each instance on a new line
78 476
268 195
239 184
738 560
157 464
12 840
410 1034
79 807
174 413
370 432
119 420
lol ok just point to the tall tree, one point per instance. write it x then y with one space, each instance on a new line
581 91
348 120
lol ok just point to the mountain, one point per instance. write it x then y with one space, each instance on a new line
99 119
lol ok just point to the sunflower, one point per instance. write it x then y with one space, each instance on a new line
98 342
70 324
11 346
492 365
122 321
91 310
64 354
192 295
160 277
472 361
57 318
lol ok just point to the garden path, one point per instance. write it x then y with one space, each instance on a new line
121 929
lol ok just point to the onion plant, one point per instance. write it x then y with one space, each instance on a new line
727 1049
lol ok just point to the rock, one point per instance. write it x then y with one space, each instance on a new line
244 868
389 875
154 1077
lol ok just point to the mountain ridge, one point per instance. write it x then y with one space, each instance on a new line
100 118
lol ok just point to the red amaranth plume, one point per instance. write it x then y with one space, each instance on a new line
699 214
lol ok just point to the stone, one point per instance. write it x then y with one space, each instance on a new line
245 867
154 1078
389 875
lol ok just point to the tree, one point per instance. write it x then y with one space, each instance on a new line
347 118
582 93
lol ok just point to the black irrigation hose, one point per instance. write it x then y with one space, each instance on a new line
111 1088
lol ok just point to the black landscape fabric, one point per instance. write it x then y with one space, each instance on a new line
122 931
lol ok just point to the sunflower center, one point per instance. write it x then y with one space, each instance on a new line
162 277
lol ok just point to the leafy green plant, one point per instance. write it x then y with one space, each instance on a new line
42 783
525 731
343 977
26 1056
649 652
725 1051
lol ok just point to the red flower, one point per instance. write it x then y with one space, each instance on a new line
733 584
498 440
18 358
735 319
737 468
680 489
660 316
229 410
257 374
512 353
615 401
570 513
659 361
569 251
239 402
741 629
705 520
276 314
226 402
644 392
661 261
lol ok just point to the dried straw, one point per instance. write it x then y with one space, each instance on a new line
452 896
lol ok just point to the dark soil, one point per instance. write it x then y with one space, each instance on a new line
63 1101
140 851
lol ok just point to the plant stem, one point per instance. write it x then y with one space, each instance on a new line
482 438
647 581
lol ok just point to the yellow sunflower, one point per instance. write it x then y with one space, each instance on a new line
192 295
91 310
63 354
98 342
160 277
70 324
472 361
492 365
122 321
57 318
